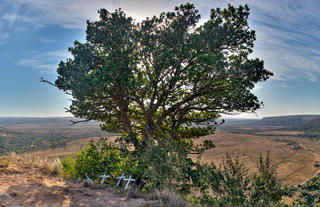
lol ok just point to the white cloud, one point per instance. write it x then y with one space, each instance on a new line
288 38
3 37
287 31
73 14
45 62
256 87
283 85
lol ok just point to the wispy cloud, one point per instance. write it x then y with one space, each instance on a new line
46 62
13 17
288 32
3 37
73 14
288 37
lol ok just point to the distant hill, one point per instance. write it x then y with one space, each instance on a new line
293 120
283 121
22 134
239 121
47 122
312 127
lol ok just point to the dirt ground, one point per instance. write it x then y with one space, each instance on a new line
31 186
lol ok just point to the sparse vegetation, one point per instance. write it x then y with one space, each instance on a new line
49 166
29 139
232 185
170 170
309 193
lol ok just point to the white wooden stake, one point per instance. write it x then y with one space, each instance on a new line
120 178
103 177
128 181
90 181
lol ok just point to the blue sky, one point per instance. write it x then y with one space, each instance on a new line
35 36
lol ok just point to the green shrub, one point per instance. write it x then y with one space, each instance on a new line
166 166
96 159
265 188
289 190
68 164
310 193
232 185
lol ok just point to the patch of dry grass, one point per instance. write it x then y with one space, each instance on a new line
4 161
52 166
167 199
294 166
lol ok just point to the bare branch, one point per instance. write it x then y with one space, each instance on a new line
46 81
81 121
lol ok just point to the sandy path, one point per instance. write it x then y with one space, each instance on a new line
30 186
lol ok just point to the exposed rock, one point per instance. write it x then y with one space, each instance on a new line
4 197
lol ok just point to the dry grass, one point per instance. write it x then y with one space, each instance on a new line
30 186
280 132
294 166
167 199
5 161
51 166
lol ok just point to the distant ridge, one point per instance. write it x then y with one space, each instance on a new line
290 120
310 127
284 121
44 122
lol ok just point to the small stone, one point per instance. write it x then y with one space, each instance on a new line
4 196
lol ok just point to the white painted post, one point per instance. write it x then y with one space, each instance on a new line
90 181
120 178
103 177
128 181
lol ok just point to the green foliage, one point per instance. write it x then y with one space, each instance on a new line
232 185
266 188
310 193
160 83
164 75
96 159
68 164
168 167
289 190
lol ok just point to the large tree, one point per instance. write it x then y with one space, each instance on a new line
167 75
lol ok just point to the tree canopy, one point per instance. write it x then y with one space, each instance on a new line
166 75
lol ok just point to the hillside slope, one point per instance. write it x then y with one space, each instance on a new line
280 121
310 127
23 134
52 122
292 120
32 186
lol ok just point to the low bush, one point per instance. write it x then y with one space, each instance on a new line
165 166
232 185
97 159
309 193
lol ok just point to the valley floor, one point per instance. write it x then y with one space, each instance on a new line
295 157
